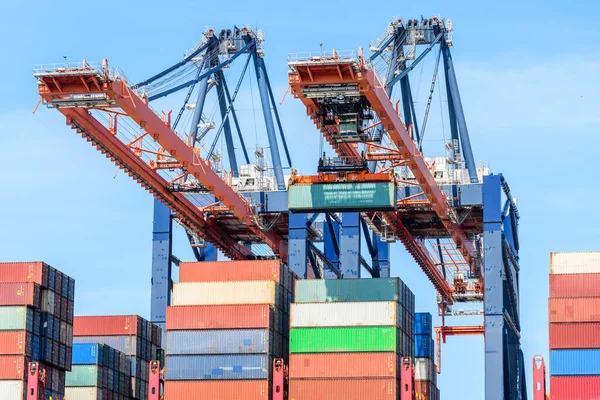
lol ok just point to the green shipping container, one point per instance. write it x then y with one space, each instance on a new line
334 290
340 340
343 196
16 319
83 375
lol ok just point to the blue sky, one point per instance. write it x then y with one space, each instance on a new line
528 78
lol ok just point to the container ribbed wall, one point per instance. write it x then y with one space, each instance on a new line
575 336
223 271
344 389
575 387
350 339
219 341
83 393
575 285
585 309
575 263
345 314
220 317
208 367
13 390
575 362
218 293
16 318
347 290
218 390
344 365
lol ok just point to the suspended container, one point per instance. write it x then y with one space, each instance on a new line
342 340
384 313
85 375
218 293
125 344
575 263
347 290
36 272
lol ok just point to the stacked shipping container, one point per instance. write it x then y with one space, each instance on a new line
227 323
99 372
129 334
347 338
574 315
36 324
425 369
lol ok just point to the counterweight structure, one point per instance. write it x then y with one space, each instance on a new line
459 222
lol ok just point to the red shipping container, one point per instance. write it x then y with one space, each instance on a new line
109 325
424 390
575 285
347 365
586 309
575 387
219 271
20 294
36 271
15 342
343 389
12 367
575 336
251 316
218 390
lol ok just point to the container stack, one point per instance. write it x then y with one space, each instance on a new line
227 323
130 334
574 315
347 338
36 324
425 369
98 372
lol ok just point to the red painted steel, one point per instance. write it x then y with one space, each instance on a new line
574 387
20 294
13 367
219 271
218 390
347 365
574 285
539 378
575 336
407 379
343 389
585 309
109 325
279 389
254 316
14 342
24 272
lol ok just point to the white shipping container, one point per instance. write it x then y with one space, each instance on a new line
425 370
575 263
83 393
211 293
11 390
376 313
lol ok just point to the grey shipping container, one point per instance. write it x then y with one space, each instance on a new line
228 341
208 367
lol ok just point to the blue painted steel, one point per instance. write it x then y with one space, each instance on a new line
298 244
204 75
283 141
423 324
381 258
87 353
350 245
202 90
261 72
160 291
423 347
575 362
225 110
331 238
209 367
460 115
223 341
234 115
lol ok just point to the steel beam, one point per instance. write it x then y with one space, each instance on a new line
350 245
162 239
331 239
233 164
298 244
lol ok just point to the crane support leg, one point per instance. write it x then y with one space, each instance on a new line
261 77
233 165
203 87
298 244
350 245
503 356
162 239
331 238
460 115
381 261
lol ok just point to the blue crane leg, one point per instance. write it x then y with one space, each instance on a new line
381 261
160 292
350 245
331 238
298 244
233 165
266 106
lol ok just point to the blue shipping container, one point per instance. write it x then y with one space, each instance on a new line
86 353
423 324
208 367
238 341
424 347
575 362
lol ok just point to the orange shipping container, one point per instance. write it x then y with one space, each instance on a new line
574 336
12 367
574 309
14 342
20 294
24 272
344 365
252 316
343 389
117 325
575 285
221 271
218 390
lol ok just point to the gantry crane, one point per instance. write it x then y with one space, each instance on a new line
459 223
